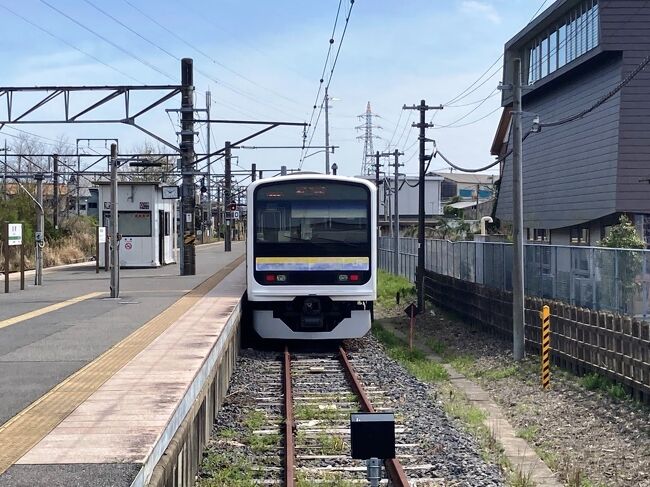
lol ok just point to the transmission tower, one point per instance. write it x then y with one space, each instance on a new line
367 164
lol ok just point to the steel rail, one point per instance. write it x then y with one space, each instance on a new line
393 466
289 450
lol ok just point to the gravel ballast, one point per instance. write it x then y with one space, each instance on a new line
445 453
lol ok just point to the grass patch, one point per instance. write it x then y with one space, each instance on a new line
415 361
308 412
331 444
464 364
458 407
388 285
227 434
436 346
500 373
327 479
225 471
255 419
596 382
263 443
528 433
521 479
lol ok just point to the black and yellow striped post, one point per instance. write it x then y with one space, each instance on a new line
546 347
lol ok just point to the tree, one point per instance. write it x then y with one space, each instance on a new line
623 266
623 236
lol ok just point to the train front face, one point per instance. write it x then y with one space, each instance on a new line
312 256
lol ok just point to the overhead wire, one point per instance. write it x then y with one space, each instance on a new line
204 54
107 40
322 76
178 59
331 73
69 44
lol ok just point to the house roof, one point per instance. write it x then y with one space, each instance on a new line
462 205
501 135
465 178
541 21
48 189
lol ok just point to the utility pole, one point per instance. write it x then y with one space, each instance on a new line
5 178
394 231
40 226
188 201
396 234
55 192
227 197
518 336
115 243
208 102
422 125
327 133
377 172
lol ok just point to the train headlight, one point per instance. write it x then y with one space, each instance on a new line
281 278
343 277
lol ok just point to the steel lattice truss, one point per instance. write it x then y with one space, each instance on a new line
10 98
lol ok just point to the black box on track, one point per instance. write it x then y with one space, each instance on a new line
372 435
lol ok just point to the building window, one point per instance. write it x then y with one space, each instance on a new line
572 36
537 234
580 236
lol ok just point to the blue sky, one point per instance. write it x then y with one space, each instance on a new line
264 60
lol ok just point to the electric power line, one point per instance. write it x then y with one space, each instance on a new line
203 53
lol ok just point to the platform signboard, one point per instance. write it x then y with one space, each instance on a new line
15 234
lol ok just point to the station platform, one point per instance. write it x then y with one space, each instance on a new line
96 391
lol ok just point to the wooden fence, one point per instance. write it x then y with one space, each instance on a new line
582 340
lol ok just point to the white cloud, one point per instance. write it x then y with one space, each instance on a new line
482 9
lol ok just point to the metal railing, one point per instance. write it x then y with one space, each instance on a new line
598 278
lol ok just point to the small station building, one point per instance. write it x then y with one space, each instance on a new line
146 222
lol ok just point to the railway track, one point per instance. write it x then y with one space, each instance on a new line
320 392
257 443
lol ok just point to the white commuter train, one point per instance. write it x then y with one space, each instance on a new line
312 256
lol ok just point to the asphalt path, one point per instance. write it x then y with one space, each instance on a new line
39 352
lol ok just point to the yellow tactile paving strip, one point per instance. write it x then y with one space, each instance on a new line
27 428
47 309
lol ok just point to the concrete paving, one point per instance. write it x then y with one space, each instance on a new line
38 353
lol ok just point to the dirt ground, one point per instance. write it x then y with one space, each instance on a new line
587 437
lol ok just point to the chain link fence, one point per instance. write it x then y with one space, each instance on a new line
598 278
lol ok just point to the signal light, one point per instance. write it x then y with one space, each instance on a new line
232 206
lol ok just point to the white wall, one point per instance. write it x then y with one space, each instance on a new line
408 197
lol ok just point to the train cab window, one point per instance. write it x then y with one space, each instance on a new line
312 213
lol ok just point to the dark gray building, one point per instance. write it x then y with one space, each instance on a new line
580 176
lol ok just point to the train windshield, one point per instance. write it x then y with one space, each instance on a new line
312 212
